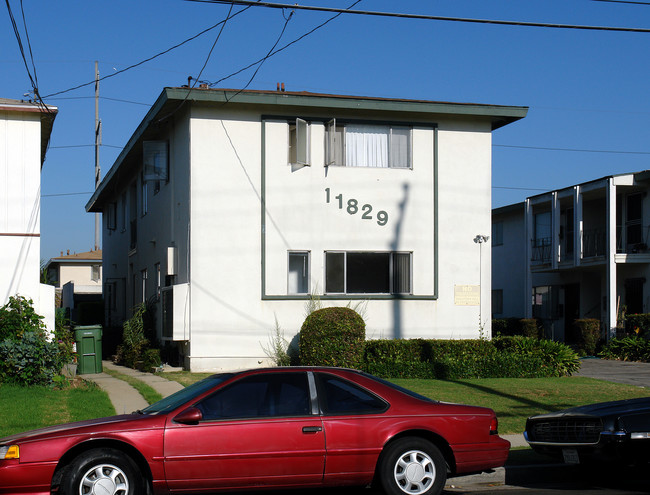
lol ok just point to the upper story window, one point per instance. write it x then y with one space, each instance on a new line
497 233
368 145
95 273
111 216
156 163
299 143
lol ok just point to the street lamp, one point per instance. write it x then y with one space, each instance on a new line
480 239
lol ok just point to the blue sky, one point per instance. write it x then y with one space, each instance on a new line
587 90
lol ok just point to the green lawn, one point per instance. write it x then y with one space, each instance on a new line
28 408
149 393
514 399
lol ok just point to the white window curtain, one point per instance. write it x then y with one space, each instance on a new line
366 145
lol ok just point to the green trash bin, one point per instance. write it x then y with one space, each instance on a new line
89 348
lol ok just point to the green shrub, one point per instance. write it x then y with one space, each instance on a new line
503 357
150 359
530 327
17 317
633 348
333 337
588 333
638 324
506 326
64 337
28 360
134 343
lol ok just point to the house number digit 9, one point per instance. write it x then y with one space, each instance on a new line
352 207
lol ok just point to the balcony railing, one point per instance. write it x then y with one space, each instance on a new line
594 243
541 250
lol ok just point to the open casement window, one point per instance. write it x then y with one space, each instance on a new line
367 272
368 145
299 140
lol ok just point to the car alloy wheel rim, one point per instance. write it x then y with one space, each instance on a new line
414 472
104 479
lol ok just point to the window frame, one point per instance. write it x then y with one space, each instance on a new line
299 143
391 273
322 397
337 151
307 276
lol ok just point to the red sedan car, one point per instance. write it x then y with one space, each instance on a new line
262 428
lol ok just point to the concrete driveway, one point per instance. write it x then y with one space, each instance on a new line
616 371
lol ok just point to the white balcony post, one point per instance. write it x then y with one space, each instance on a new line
611 260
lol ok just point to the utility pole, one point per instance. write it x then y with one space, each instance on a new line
98 133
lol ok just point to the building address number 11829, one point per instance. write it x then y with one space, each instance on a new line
352 207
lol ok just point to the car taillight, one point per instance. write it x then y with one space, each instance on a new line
494 426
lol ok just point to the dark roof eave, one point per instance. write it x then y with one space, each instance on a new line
497 114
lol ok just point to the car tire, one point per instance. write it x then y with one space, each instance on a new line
412 466
102 471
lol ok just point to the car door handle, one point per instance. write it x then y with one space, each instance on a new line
312 429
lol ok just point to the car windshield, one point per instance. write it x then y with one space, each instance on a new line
397 387
188 393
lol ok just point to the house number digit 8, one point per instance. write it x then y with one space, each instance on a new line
352 207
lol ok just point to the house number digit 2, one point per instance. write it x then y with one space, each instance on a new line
352 207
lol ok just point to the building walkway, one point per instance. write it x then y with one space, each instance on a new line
124 397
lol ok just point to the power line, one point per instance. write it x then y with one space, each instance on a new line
133 66
65 194
426 17
623 1
574 150
284 47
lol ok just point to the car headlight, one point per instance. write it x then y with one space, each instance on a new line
9 452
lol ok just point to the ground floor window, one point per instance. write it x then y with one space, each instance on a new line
298 280
497 302
354 272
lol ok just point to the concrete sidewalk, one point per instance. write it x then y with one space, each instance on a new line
124 397
625 372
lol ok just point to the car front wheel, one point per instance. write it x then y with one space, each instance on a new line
102 471
412 466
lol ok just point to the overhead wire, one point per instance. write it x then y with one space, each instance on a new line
427 17
283 48
149 59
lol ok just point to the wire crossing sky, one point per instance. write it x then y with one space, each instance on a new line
586 88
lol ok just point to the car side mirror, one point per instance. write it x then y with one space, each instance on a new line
190 416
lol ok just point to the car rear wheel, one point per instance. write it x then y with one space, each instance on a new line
412 466
102 472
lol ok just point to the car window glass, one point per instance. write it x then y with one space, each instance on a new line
339 396
264 395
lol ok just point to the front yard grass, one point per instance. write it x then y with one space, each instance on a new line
28 408
514 399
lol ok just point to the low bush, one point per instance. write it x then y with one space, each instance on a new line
17 317
530 327
134 343
29 360
333 337
632 348
638 324
504 357
588 334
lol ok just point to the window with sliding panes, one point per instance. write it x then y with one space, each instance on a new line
367 272
368 145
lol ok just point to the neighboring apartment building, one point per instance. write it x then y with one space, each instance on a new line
25 130
586 251
77 278
232 209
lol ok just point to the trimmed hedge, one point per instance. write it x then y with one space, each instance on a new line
504 357
507 327
333 337
588 333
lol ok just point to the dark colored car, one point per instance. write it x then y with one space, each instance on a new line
618 430
279 427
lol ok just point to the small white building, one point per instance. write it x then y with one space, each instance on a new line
77 278
578 252
25 130
231 209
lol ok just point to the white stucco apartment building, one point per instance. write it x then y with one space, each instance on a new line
233 208
25 130
577 252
